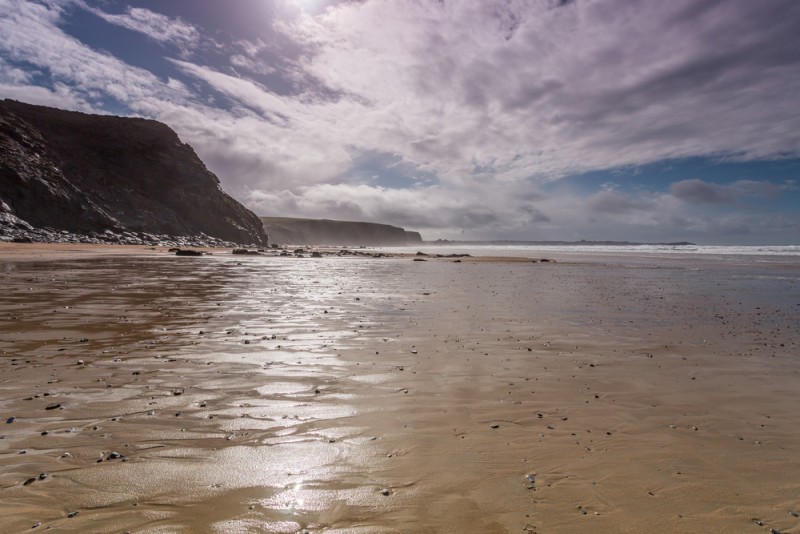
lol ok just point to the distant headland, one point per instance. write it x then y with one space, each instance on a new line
296 231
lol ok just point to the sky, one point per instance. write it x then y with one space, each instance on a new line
644 120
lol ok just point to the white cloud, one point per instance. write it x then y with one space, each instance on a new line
523 89
32 37
154 25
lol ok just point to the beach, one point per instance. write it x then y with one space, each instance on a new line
144 392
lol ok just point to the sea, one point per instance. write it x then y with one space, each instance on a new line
774 254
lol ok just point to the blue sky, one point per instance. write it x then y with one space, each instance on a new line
514 119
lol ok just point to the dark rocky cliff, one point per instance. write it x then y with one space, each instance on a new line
91 173
288 230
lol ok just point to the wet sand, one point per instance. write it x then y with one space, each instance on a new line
256 394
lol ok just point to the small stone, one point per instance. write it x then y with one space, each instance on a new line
53 406
494 425
385 492
80 362
37 524
10 420
113 455
43 476
29 481
73 514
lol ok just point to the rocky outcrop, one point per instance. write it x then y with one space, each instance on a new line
94 174
326 232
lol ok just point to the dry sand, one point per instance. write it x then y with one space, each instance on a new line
254 394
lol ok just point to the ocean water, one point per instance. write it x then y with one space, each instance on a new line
778 253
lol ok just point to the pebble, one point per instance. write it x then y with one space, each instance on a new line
494 425
53 406
385 491
37 524
10 420
113 455
73 514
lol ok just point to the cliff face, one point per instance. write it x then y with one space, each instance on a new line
326 232
90 173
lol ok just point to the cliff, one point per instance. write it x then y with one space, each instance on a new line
287 230
86 174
